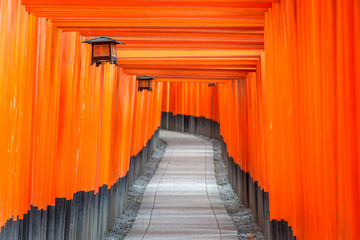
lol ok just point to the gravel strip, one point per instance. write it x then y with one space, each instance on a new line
240 215
124 223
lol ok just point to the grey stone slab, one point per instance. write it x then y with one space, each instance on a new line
182 199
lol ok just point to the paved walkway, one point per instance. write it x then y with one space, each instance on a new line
182 200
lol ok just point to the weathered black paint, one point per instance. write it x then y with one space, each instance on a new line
87 216
249 191
190 124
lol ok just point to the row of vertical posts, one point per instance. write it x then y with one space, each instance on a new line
68 129
292 124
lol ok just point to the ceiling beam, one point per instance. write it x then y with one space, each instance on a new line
197 3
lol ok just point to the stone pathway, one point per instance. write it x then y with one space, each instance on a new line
182 199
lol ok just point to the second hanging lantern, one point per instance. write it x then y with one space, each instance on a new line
144 83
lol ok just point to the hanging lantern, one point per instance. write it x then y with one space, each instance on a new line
144 83
103 50
212 84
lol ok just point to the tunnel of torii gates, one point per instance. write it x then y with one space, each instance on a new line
286 107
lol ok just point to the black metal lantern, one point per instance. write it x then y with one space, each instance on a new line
103 50
144 83
212 84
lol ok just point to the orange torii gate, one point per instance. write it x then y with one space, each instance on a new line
285 107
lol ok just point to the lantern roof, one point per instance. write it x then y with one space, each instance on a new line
143 77
103 39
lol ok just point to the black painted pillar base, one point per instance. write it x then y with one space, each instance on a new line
87 216
190 124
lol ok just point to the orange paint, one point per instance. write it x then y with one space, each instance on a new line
66 126
286 98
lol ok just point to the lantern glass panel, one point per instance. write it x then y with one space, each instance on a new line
101 50
113 50
144 83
